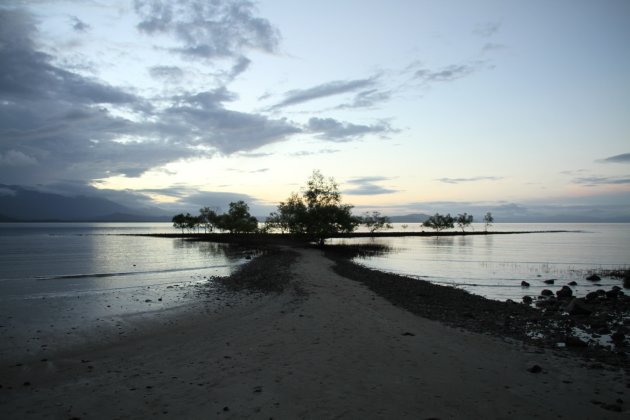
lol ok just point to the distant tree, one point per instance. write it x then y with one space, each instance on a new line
192 223
439 222
375 221
404 226
237 219
488 220
185 222
464 220
180 222
207 219
317 213
290 217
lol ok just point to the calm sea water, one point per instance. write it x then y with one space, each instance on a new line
494 265
76 280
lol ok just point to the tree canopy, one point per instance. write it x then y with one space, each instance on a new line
439 222
316 213
375 221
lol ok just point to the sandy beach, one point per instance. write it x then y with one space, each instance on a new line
324 347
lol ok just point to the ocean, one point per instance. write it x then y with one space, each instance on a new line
494 265
86 280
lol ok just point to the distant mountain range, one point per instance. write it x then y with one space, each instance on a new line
19 204
22 204
410 218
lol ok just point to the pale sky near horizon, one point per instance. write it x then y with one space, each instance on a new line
412 106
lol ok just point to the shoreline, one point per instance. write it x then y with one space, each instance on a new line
303 341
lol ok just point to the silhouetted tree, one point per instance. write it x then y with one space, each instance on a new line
488 220
375 221
317 213
439 222
237 219
464 220
179 221
207 219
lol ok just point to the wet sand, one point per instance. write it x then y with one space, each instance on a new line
321 346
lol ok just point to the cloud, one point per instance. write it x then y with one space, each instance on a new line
367 99
85 129
78 25
333 130
445 74
168 73
368 186
208 29
206 122
591 181
622 158
16 158
472 179
337 87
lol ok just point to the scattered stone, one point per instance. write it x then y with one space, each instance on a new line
593 277
575 342
527 300
626 282
535 369
148 300
549 281
572 283
564 293
546 292
524 284
26 384
618 336
408 334
578 307
226 408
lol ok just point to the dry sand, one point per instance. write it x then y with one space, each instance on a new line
325 348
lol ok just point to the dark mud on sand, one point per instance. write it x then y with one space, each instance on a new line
549 326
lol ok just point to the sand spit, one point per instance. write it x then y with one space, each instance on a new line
320 347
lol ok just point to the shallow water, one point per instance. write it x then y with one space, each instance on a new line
494 265
77 279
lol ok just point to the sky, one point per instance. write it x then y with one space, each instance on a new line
514 107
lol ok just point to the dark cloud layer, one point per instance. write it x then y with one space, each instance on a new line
208 29
336 87
591 181
56 124
368 186
333 130
622 158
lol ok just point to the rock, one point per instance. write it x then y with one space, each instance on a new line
546 292
593 277
612 294
527 300
578 307
572 283
549 281
564 293
535 369
408 334
618 336
575 342
524 284
626 282
598 294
